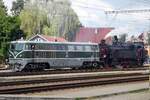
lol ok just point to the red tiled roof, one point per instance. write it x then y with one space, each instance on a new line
54 39
94 35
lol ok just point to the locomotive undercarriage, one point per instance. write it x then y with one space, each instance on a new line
125 63
42 66
102 63
36 66
94 64
121 62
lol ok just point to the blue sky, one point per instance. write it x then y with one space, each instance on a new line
91 14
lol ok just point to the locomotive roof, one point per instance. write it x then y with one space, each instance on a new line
82 43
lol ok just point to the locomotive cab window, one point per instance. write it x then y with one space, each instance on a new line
79 48
30 46
88 48
71 47
94 47
60 47
17 46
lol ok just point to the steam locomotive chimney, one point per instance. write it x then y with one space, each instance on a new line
115 39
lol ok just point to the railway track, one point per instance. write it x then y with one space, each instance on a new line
2 68
63 71
31 86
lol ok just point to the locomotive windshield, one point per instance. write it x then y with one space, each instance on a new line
16 46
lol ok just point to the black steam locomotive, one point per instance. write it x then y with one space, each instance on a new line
122 54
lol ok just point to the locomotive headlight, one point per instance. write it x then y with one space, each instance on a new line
20 55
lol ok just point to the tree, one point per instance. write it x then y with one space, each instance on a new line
4 30
32 20
9 28
50 17
15 31
2 6
17 7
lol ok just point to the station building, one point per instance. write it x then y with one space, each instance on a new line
47 38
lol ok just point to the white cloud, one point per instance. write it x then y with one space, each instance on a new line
121 30
92 4
91 11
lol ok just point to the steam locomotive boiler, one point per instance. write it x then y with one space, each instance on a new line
122 54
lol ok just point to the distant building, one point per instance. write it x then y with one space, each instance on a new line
47 38
95 35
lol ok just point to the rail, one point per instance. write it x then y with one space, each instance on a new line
66 83
63 71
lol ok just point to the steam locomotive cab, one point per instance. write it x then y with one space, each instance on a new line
141 53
